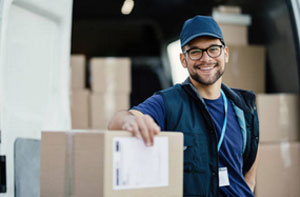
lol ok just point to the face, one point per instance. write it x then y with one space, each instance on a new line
205 71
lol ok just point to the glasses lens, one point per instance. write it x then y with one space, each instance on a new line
214 51
195 54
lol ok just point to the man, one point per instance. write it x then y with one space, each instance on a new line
220 124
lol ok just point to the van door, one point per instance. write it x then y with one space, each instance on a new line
34 72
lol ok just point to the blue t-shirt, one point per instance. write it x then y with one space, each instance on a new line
230 154
231 151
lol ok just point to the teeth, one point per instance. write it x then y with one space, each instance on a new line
207 68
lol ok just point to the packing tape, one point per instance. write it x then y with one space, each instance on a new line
69 191
283 111
285 153
109 105
111 72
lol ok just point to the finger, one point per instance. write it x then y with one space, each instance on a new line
151 127
133 128
156 129
143 130
154 126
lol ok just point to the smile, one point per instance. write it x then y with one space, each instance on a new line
207 68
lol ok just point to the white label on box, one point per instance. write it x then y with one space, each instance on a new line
138 166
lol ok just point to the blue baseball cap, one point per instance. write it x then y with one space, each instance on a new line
200 26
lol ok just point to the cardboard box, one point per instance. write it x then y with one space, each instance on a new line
228 9
278 172
78 68
80 105
90 163
279 116
110 74
233 24
235 34
246 68
105 105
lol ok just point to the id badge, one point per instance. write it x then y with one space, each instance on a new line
223 177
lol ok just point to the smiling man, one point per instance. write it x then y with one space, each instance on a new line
220 124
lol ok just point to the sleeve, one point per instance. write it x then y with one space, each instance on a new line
153 106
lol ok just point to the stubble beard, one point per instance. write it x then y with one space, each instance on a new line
208 82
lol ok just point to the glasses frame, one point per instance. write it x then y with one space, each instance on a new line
204 50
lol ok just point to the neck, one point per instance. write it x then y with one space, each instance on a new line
208 91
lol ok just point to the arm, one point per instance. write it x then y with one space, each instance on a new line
140 125
250 176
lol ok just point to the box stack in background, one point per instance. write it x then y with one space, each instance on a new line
91 163
246 66
111 87
80 95
278 172
109 90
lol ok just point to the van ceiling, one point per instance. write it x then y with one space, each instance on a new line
99 28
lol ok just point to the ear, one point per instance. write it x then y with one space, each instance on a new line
226 54
182 60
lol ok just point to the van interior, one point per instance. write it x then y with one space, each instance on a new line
100 29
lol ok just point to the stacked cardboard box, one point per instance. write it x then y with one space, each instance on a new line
91 163
278 172
233 23
111 87
246 66
79 94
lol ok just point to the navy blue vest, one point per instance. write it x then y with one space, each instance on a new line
186 112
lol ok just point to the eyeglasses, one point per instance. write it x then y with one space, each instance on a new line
213 51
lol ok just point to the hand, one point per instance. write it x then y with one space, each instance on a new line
141 126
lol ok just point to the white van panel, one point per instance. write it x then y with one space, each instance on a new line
34 72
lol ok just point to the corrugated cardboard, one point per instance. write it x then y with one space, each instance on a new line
77 71
235 34
110 74
278 172
80 105
53 165
104 105
80 163
233 24
279 116
246 68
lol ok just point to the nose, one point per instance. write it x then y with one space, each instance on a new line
205 56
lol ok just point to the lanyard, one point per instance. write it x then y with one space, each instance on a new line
225 120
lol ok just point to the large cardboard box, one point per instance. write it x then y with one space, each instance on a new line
105 105
80 106
246 68
279 116
110 164
278 172
110 74
235 34
234 25
78 68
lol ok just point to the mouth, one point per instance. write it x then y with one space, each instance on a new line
206 67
